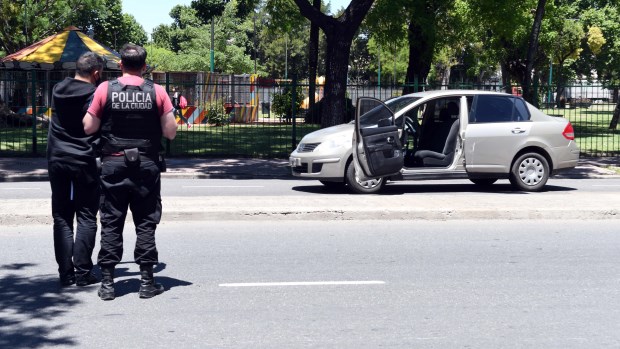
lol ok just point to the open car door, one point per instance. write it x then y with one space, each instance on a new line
377 150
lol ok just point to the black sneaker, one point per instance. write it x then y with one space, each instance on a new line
85 280
67 280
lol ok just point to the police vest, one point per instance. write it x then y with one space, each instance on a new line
131 119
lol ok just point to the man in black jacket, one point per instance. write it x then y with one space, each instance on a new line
73 173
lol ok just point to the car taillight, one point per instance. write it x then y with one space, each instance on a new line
569 133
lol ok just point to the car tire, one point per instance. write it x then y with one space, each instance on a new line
483 181
333 185
529 172
370 186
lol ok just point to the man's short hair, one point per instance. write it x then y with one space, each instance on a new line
88 63
133 57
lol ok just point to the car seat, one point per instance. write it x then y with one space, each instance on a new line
431 158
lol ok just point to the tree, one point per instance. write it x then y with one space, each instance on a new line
422 30
189 39
25 22
339 33
284 40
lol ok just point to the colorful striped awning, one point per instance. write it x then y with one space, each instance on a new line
60 51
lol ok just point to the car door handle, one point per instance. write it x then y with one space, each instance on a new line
390 140
517 131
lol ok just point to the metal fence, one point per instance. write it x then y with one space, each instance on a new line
236 115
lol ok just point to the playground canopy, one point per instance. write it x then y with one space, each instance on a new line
59 52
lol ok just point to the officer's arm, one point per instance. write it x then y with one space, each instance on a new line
91 124
169 125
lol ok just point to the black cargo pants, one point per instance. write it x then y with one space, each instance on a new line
75 193
137 188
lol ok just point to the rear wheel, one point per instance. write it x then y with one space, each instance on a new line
529 172
358 186
483 181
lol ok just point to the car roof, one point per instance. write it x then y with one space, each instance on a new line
436 93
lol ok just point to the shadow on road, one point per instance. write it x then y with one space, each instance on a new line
127 279
401 188
27 298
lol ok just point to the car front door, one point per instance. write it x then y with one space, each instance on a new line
377 148
498 126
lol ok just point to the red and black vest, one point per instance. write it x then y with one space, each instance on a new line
131 119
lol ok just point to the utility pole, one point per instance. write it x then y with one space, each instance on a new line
212 45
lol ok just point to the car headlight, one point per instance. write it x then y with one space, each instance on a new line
333 143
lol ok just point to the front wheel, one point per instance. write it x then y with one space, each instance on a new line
358 186
529 172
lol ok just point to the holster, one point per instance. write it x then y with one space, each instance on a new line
132 157
161 163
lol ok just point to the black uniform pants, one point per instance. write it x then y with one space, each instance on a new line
75 193
136 188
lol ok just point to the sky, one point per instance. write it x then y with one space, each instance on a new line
155 12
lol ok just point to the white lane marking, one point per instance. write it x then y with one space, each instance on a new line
302 283
20 188
223 186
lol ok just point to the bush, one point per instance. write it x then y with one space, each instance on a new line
581 103
216 113
282 102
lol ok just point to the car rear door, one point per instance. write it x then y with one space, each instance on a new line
497 128
377 149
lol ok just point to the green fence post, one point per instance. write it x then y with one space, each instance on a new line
33 96
167 90
293 111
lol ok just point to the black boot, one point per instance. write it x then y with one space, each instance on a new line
148 287
106 291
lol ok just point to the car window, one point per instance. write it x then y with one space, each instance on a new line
491 108
521 111
398 103
373 113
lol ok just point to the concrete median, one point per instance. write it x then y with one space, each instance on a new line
517 206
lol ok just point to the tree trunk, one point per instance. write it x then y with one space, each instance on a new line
528 92
313 59
506 78
339 33
333 107
615 118
421 47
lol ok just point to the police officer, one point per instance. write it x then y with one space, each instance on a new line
132 114
73 173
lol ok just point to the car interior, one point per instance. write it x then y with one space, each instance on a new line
431 133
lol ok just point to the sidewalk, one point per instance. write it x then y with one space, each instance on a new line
35 169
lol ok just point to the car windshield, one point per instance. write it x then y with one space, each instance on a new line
398 103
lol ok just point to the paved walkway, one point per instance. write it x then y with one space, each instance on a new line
33 169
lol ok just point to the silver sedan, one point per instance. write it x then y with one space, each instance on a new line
480 135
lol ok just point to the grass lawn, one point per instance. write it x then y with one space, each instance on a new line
592 128
273 140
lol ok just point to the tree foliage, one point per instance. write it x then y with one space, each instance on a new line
188 40
24 22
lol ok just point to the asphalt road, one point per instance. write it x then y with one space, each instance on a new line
337 284
295 187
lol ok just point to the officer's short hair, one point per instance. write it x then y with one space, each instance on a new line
88 63
133 56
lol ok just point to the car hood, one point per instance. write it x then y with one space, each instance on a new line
329 132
